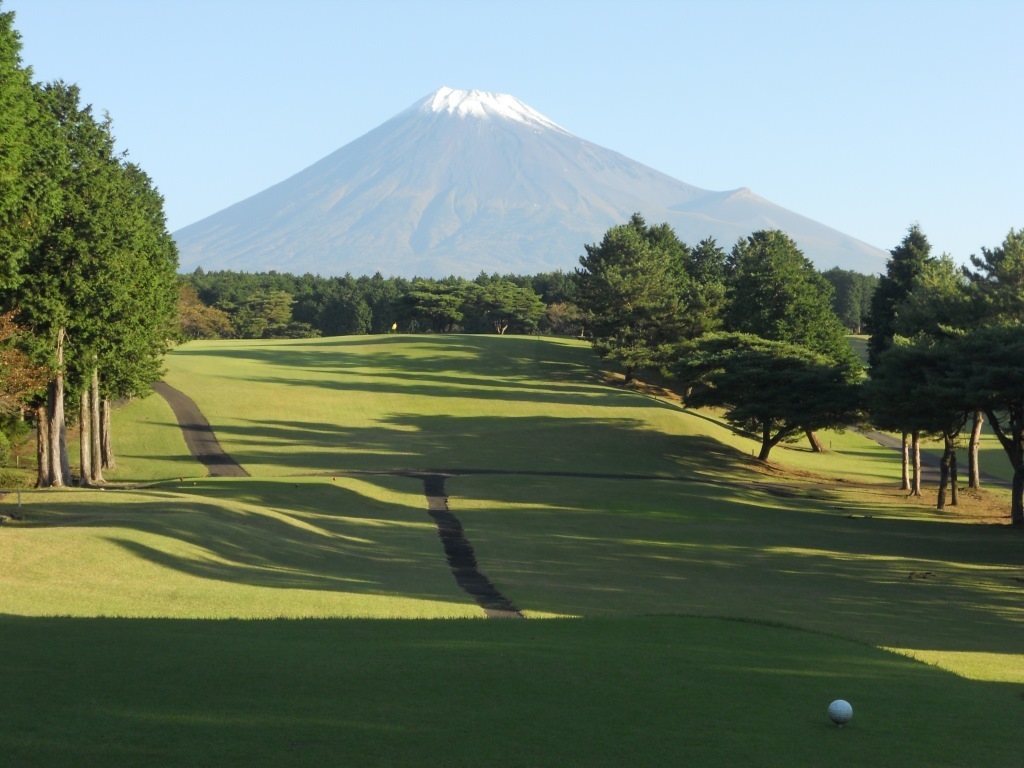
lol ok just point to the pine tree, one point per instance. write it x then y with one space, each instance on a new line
906 262
776 293
632 287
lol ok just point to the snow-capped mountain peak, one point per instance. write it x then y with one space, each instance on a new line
464 182
481 104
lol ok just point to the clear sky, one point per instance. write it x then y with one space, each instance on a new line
867 116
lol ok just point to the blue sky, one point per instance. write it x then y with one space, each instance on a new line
867 116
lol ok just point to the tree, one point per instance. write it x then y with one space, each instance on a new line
776 293
199 321
29 151
937 302
98 290
938 305
20 378
773 389
631 287
500 305
706 298
917 386
851 296
998 280
437 306
992 363
906 262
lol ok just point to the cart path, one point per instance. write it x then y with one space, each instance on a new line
461 558
199 437
203 445
931 464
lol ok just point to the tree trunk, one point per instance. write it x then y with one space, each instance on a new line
109 462
60 469
96 474
954 480
947 470
973 468
905 484
85 439
766 443
1011 436
915 448
816 445
42 447
1017 497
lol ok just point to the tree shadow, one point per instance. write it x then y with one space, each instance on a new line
269 534
729 549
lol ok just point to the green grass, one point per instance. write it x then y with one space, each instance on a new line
231 548
817 561
649 691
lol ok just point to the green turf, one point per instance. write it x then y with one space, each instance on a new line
819 543
638 692
842 564
219 548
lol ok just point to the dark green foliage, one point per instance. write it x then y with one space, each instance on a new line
938 301
499 305
918 386
991 362
772 389
434 306
776 293
341 306
632 288
85 256
906 262
706 266
851 296
30 148
998 280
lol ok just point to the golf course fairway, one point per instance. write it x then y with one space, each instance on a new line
682 603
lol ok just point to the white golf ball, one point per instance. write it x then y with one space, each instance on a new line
840 712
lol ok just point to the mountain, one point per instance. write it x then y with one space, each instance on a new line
466 181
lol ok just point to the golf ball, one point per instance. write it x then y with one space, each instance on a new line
840 712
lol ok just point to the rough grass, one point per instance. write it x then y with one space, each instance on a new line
818 543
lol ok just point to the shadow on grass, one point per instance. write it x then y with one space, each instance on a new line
520 443
508 368
473 693
612 547
312 536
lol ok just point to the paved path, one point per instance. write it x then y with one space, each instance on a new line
199 437
931 464
203 445
461 558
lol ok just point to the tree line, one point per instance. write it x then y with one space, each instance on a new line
88 285
228 304
756 332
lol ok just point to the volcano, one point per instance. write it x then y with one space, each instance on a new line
464 182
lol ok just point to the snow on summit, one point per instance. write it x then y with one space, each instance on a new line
486 105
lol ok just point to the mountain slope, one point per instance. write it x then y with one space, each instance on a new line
464 182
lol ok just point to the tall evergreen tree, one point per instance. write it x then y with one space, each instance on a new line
998 280
905 263
30 149
705 266
632 287
776 293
